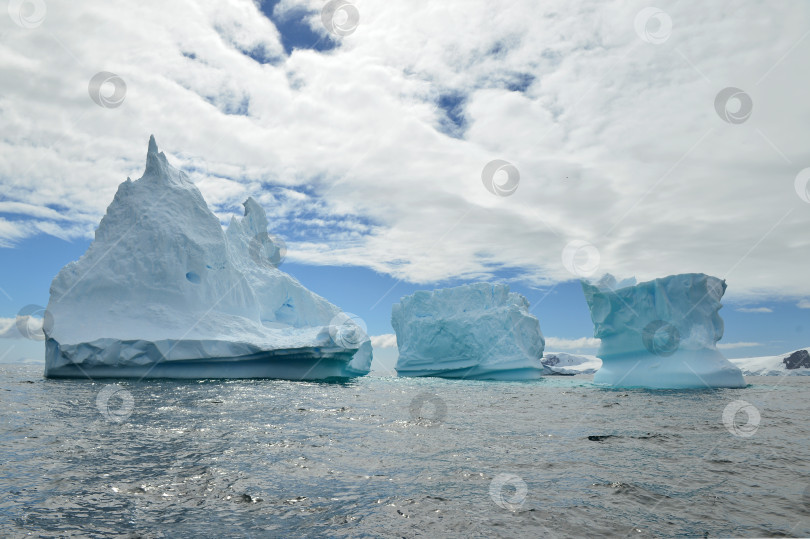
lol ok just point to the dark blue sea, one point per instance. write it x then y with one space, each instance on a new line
394 457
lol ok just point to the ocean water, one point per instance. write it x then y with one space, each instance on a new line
389 457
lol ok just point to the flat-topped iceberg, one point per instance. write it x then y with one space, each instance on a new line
661 333
164 292
476 331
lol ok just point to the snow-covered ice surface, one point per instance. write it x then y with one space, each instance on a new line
163 291
661 333
565 363
477 331
796 363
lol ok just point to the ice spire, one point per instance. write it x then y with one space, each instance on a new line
156 163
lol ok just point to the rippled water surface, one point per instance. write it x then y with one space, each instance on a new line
389 457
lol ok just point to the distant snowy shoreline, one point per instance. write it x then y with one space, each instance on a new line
799 360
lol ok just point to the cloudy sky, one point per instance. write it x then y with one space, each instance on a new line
643 140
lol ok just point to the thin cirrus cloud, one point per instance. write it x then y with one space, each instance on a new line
8 329
803 304
614 132
733 345
755 309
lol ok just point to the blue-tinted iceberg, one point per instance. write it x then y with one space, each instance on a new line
661 333
477 331
164 292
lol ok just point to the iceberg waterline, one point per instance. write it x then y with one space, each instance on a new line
163 291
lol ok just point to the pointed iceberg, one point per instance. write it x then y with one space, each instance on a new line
164 292
661 333
478 331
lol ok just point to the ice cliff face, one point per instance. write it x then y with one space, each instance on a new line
163 287
661 333
477 331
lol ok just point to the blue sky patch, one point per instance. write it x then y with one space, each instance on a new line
296 33
452 122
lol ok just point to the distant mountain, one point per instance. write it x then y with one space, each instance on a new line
796 363
563 363
793 363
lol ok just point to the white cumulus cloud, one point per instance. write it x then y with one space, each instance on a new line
554 343
615 138
388 340
8 328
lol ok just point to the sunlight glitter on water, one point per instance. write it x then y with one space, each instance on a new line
399 457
